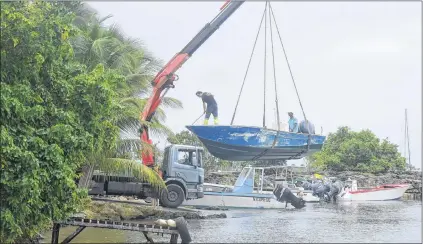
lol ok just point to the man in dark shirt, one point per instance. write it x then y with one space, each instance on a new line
211 108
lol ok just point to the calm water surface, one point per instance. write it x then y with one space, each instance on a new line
382 222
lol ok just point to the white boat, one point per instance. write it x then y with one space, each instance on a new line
242 195
380 193
306 195
282 179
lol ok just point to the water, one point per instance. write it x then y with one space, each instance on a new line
376 222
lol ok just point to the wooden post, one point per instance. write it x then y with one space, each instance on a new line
174 238
73 235
55 234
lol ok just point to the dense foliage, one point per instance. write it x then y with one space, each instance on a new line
53 112
71 93
357 151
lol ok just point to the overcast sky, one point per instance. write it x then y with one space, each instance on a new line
355 64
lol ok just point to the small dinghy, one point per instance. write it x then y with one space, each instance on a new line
246 143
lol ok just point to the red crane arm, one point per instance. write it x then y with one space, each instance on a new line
166 76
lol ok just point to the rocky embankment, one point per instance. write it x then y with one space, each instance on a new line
221 178
118 211
370 180
363 179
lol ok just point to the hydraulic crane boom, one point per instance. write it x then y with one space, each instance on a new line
166 76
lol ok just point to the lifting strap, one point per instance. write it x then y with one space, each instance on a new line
265 65
268 10
248 65
292 77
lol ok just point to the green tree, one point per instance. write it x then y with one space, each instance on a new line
108 45
56 115
357 151
52 114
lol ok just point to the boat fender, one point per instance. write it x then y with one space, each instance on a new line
171 223
161 222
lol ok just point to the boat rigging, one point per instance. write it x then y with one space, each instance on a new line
231 142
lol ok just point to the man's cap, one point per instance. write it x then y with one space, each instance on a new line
198 92
290 113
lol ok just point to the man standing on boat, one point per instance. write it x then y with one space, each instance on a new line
209 106
293 123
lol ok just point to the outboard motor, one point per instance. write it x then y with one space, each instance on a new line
320 190
283 194
335 189
306 185
306 127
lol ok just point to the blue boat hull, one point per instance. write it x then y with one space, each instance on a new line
244 143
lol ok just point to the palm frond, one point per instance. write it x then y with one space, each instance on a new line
80 22
138 102
126 145
86 11
132 168
171 102
117 32
101 20
157 129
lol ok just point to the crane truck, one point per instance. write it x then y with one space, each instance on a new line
182 167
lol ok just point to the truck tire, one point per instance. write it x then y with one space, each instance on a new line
173 197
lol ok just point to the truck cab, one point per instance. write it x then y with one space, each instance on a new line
183 174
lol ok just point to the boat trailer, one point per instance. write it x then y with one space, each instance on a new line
179 227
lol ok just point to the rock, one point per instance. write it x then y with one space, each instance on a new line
214 216
122 198
215 208
363 179
125 211
370 180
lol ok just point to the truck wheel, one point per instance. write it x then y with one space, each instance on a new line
173 197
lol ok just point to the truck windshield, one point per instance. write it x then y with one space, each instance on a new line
187 157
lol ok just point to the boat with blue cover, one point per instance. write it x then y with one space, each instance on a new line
248 143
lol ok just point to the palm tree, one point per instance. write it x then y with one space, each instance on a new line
107 45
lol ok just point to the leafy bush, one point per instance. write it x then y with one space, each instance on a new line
53 114
357 151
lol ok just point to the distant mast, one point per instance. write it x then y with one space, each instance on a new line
407 142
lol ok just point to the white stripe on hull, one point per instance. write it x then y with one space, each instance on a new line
225 201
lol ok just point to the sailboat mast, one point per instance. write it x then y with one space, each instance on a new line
407 140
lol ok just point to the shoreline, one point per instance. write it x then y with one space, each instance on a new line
363 179
125 209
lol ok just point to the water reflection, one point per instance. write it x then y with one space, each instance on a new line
384 222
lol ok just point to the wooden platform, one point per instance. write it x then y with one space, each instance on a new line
145 228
